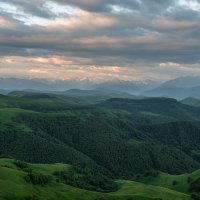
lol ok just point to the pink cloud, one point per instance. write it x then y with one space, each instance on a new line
164 23
82 19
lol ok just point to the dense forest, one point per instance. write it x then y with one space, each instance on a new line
103 141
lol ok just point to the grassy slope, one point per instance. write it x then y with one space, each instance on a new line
13 186
140 189
6 114
166 180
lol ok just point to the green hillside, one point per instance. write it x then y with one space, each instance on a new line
155 107
191 101
101 136
101 145
175 182
20 189
137 189
182 135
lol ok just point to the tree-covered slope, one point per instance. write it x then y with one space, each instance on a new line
182 135
191 101
112 135
156 107
114 139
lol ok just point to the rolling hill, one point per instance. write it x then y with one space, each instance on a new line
191 101
83 133
105 143
21 189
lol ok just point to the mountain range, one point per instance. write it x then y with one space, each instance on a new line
133 87
179 88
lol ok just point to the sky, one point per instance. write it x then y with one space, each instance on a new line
100 39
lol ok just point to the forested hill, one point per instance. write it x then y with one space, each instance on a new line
156 107
120 137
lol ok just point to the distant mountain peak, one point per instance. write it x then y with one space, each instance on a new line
183 82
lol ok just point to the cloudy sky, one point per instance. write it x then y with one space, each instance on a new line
100 39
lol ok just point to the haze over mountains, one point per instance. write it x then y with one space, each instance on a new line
62 85
179 88
100 100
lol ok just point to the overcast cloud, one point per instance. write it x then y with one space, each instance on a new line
101 39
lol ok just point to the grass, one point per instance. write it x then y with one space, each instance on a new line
134 142
166 180
49 168
13 186
6 114
156 192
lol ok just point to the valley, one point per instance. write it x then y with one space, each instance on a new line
117 148
100 100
